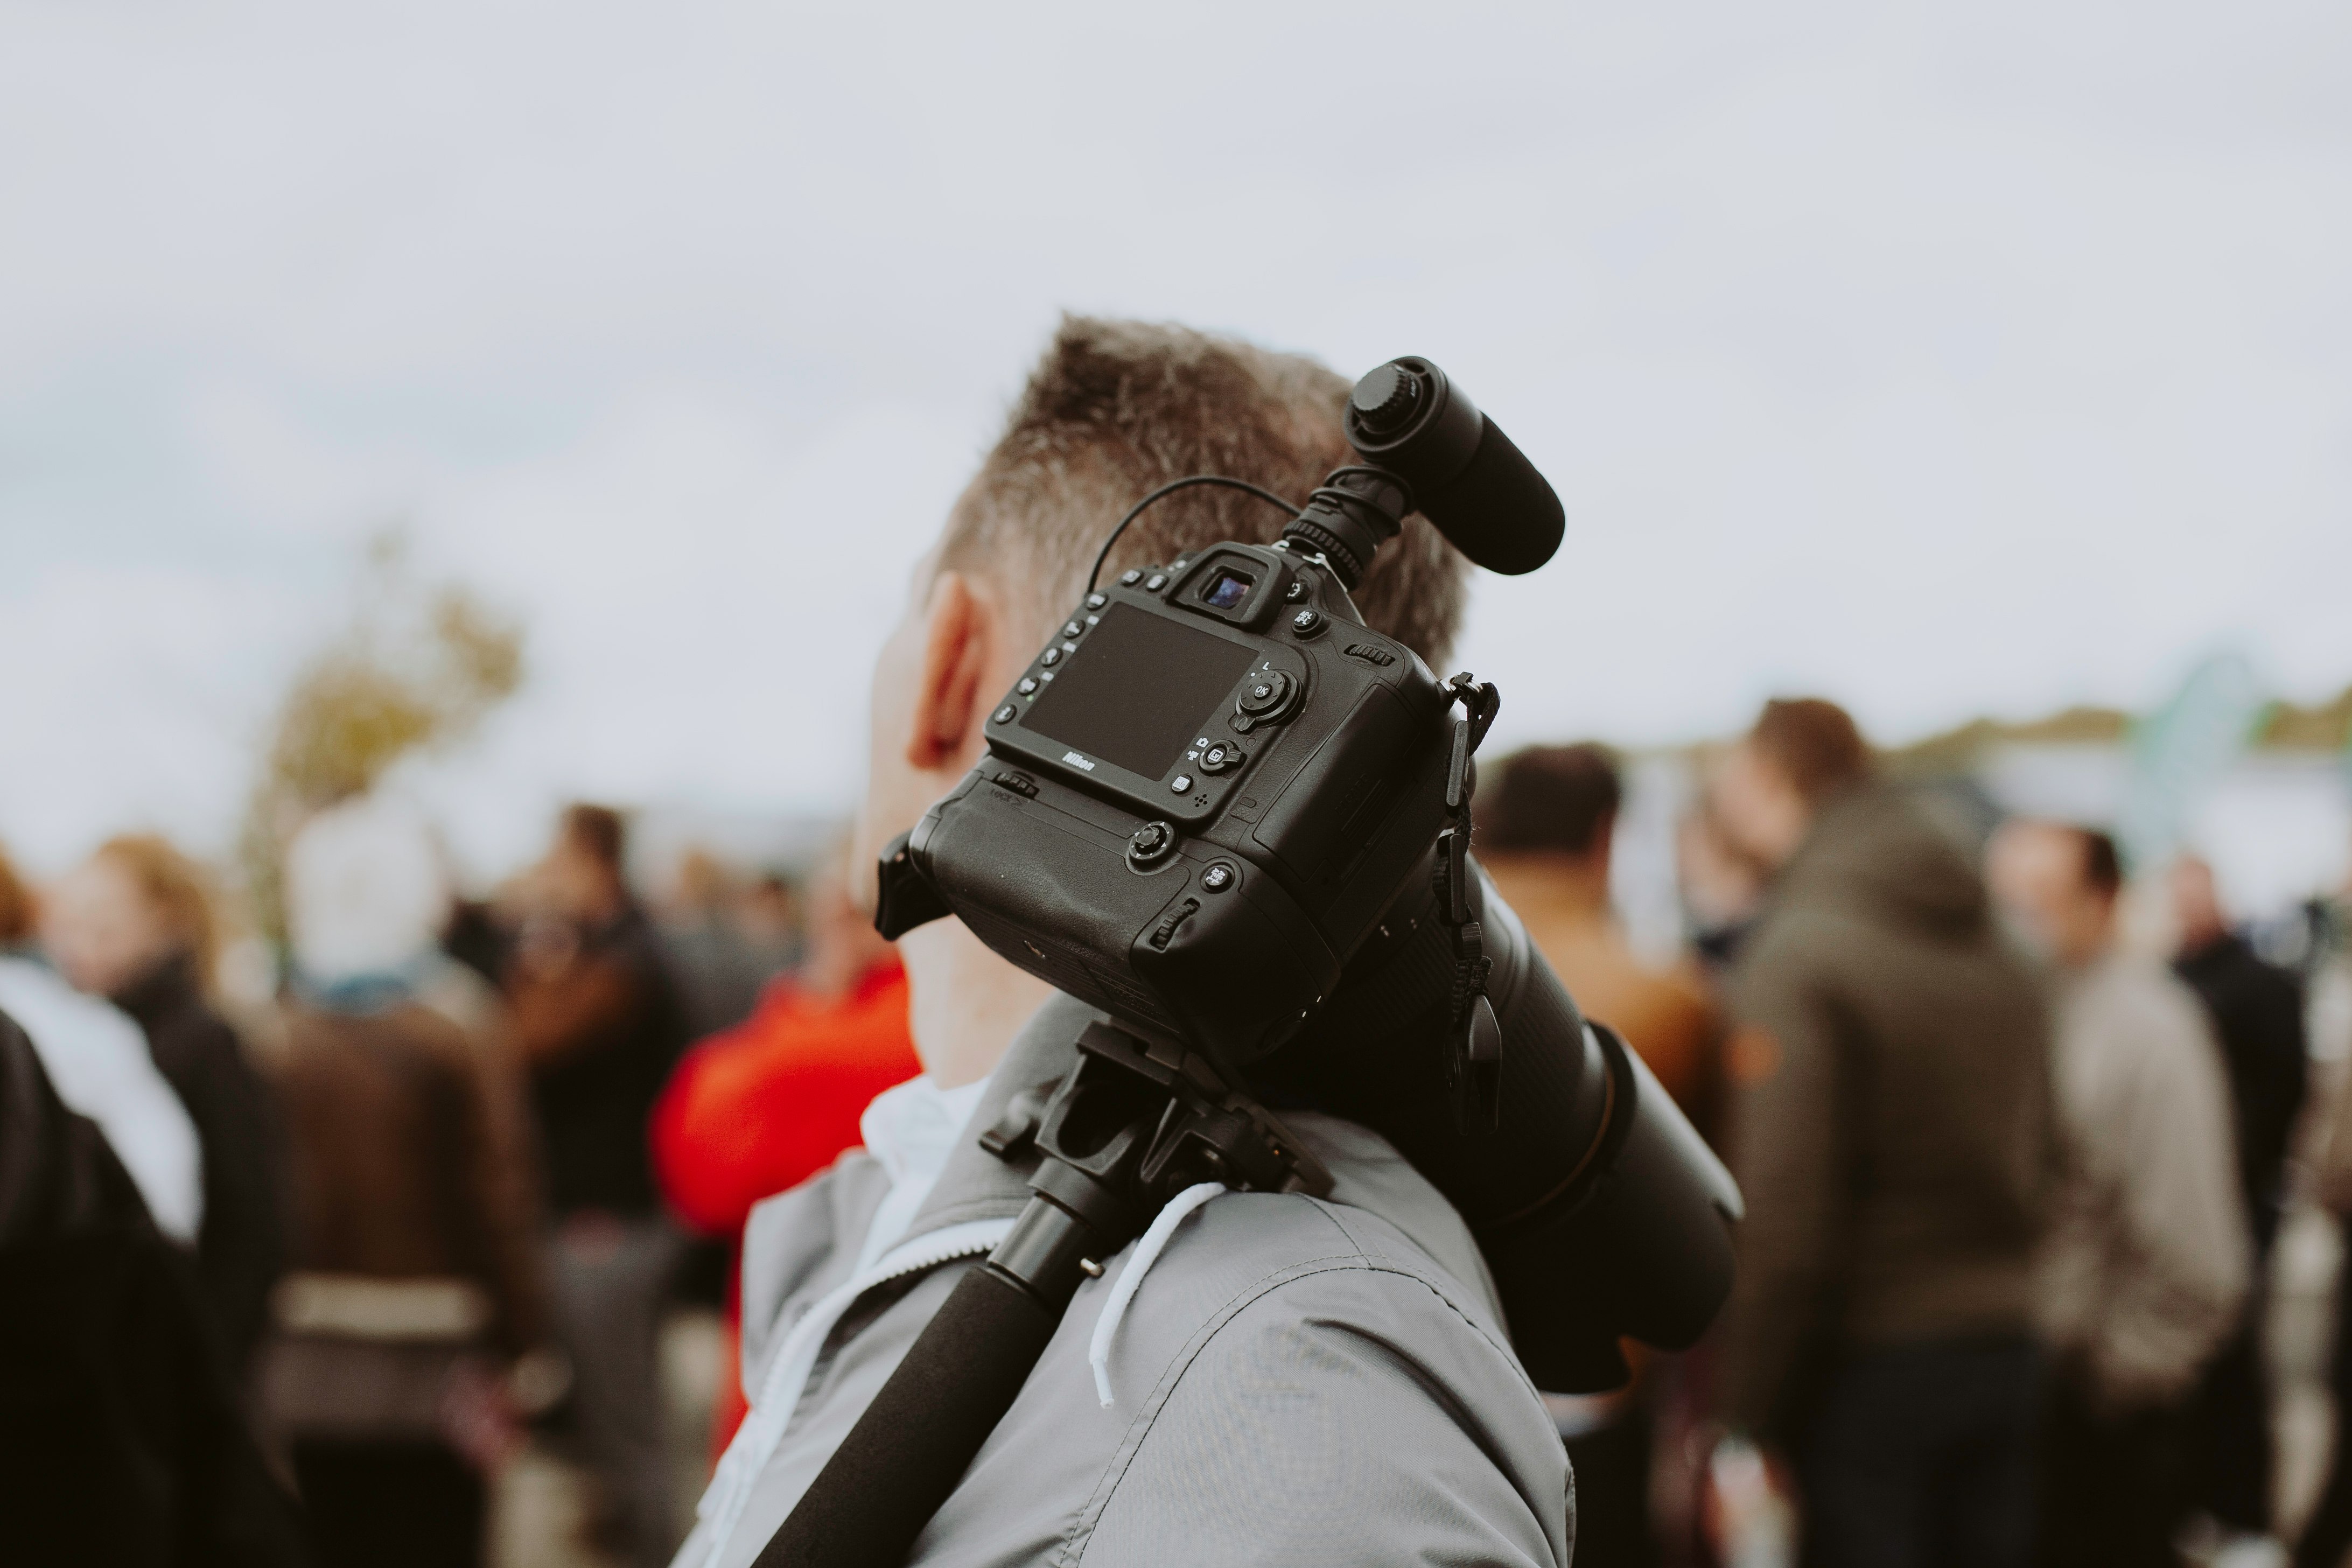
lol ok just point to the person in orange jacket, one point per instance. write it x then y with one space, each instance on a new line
759 1108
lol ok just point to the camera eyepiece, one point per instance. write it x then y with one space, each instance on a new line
1465 475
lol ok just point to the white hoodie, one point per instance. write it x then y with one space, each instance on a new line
98 1062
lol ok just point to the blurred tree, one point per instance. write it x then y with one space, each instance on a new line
418 667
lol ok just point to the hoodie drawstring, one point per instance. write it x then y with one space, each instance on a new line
1131 1278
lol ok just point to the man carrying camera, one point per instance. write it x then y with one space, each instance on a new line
1295 1379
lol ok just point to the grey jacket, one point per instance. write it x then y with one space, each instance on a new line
2145 1269
1299 1380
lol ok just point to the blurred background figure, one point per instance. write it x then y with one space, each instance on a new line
416 1278
2256 1012
1546 819
600 1023
137 924
122 1440
1720 887
2145 1268
1546 822
99 1065
2328 1533
1890 1130
725 941
761 1108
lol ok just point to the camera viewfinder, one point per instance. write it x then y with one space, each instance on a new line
1226 589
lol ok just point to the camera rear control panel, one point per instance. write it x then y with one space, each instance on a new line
1164 711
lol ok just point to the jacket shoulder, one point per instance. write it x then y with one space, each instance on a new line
1375 1383
803 1241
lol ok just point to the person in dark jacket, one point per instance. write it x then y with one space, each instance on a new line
135 923
1892 1133
417 1268
601 1024
2257 1014
121 1441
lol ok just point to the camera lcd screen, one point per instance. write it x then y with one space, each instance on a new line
1137 690
1226 589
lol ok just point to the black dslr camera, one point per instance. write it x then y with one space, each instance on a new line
1219 808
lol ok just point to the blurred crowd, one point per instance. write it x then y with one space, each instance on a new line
2016 1125
2016 1134
430 1196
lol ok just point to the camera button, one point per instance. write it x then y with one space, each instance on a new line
1051 657
1132 576
1074 628
1181 782
1003 715
1220 757
1150 842
1097 600
1157 581
1219 877
1307 622
1296 592
1028 686
1266 693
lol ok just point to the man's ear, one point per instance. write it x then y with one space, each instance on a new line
958 641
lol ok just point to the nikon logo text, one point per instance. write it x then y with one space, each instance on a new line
1078 760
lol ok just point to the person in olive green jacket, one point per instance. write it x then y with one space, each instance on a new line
1892 1131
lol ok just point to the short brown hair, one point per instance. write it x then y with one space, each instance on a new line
1815 742
1559 798
15 904
2103 867
176 888
601 831
1116 409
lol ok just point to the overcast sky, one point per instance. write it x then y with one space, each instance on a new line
1940 358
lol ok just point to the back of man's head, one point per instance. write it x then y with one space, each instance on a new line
1116 409
598 832
1814 743
2100 866
1559 800
2059 881
2196 904
16 905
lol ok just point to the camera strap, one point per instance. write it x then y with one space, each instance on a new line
1134 1129
1473 1059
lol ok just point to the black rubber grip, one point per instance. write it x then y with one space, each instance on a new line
916 1440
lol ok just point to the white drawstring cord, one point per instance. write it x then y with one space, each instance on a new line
755 1441
1130 1277
722 1504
